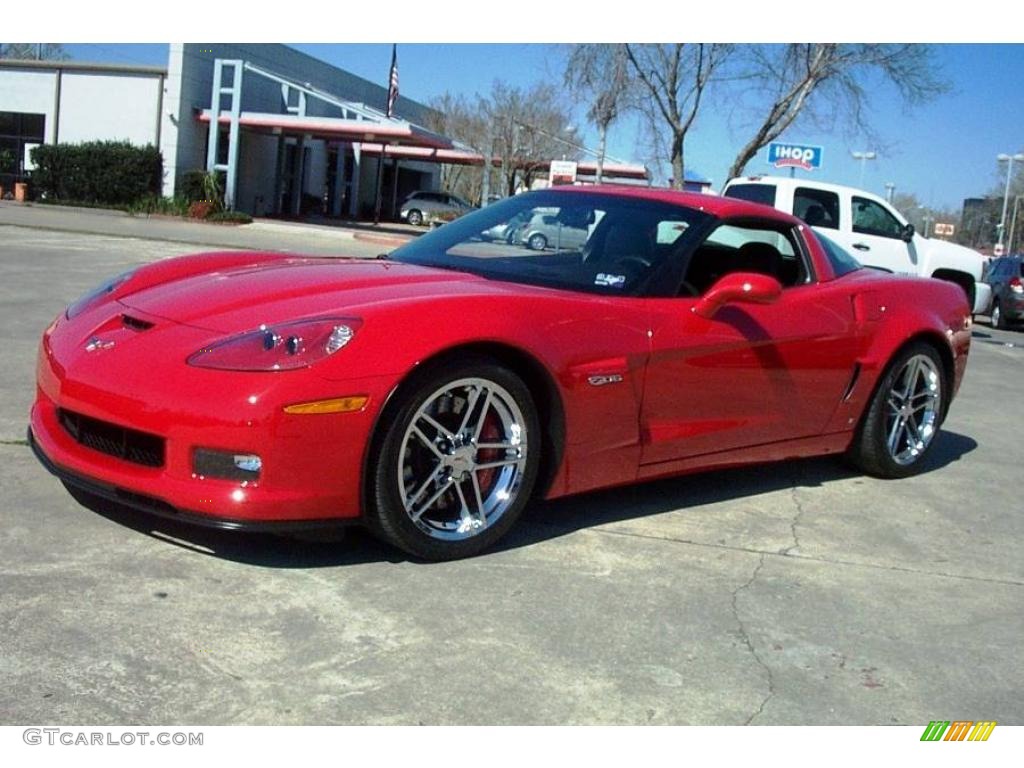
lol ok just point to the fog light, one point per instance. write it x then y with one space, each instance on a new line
226 465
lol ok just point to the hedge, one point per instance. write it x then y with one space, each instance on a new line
110 172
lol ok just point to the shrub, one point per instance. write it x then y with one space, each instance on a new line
191 186
109 172
230 217
7 164
200 209
168 206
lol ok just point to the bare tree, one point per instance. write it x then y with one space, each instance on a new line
530 128
463 120
600 73
525 129
829 79
672 80
38 51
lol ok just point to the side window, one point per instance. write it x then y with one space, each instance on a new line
670 231
817 207
754 193
763 249
870 218
842 262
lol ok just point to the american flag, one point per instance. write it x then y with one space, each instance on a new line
393 82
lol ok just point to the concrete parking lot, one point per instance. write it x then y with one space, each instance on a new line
799 593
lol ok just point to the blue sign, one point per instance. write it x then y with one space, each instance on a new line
794 156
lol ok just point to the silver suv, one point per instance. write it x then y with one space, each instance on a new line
420 207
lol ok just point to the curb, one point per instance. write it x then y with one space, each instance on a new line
381 239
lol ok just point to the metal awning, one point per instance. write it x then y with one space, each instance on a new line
397 132
458 156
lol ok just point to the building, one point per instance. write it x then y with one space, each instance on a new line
291 127
295 136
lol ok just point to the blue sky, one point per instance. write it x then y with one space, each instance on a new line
942 152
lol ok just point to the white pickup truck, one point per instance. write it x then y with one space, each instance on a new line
871 229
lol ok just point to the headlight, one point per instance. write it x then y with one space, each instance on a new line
282 347
97 295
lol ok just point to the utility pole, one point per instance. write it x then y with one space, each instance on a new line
890 189
1006 196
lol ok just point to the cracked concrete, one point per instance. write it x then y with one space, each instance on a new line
786 594
770 682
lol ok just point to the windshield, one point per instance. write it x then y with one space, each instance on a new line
597 243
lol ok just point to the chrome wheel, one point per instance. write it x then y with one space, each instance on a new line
913 409
462 459
997 316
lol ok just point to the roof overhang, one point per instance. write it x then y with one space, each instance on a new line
465 157
336 128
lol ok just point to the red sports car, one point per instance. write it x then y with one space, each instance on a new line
431 393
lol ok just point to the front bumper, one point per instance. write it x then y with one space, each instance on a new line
982 298
312 465
153 506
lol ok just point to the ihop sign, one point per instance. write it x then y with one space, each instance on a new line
794 156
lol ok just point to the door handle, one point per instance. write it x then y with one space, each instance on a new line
862 246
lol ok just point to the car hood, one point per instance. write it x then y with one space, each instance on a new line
245 297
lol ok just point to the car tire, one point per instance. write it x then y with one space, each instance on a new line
458 461
997 317
537 242
415 217
904 416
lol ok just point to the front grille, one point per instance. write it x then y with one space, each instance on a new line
126 444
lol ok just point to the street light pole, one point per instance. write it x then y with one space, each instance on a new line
1006 195
863 157
1013 225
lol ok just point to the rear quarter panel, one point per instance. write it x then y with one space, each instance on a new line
894 311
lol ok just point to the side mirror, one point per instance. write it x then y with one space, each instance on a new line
738 288
907 234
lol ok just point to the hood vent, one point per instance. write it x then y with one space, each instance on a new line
135 323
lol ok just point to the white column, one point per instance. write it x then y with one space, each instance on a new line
339 181
353 200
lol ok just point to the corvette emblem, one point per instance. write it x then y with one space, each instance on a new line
96 343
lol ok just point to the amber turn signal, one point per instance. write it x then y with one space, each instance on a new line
334 405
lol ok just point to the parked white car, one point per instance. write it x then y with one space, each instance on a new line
871 229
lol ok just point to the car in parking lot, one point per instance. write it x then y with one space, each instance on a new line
423 207
553 230
511 230
432 394
1005 275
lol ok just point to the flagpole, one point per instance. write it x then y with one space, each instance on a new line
392 97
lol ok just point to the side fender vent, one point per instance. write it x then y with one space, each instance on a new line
853 382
